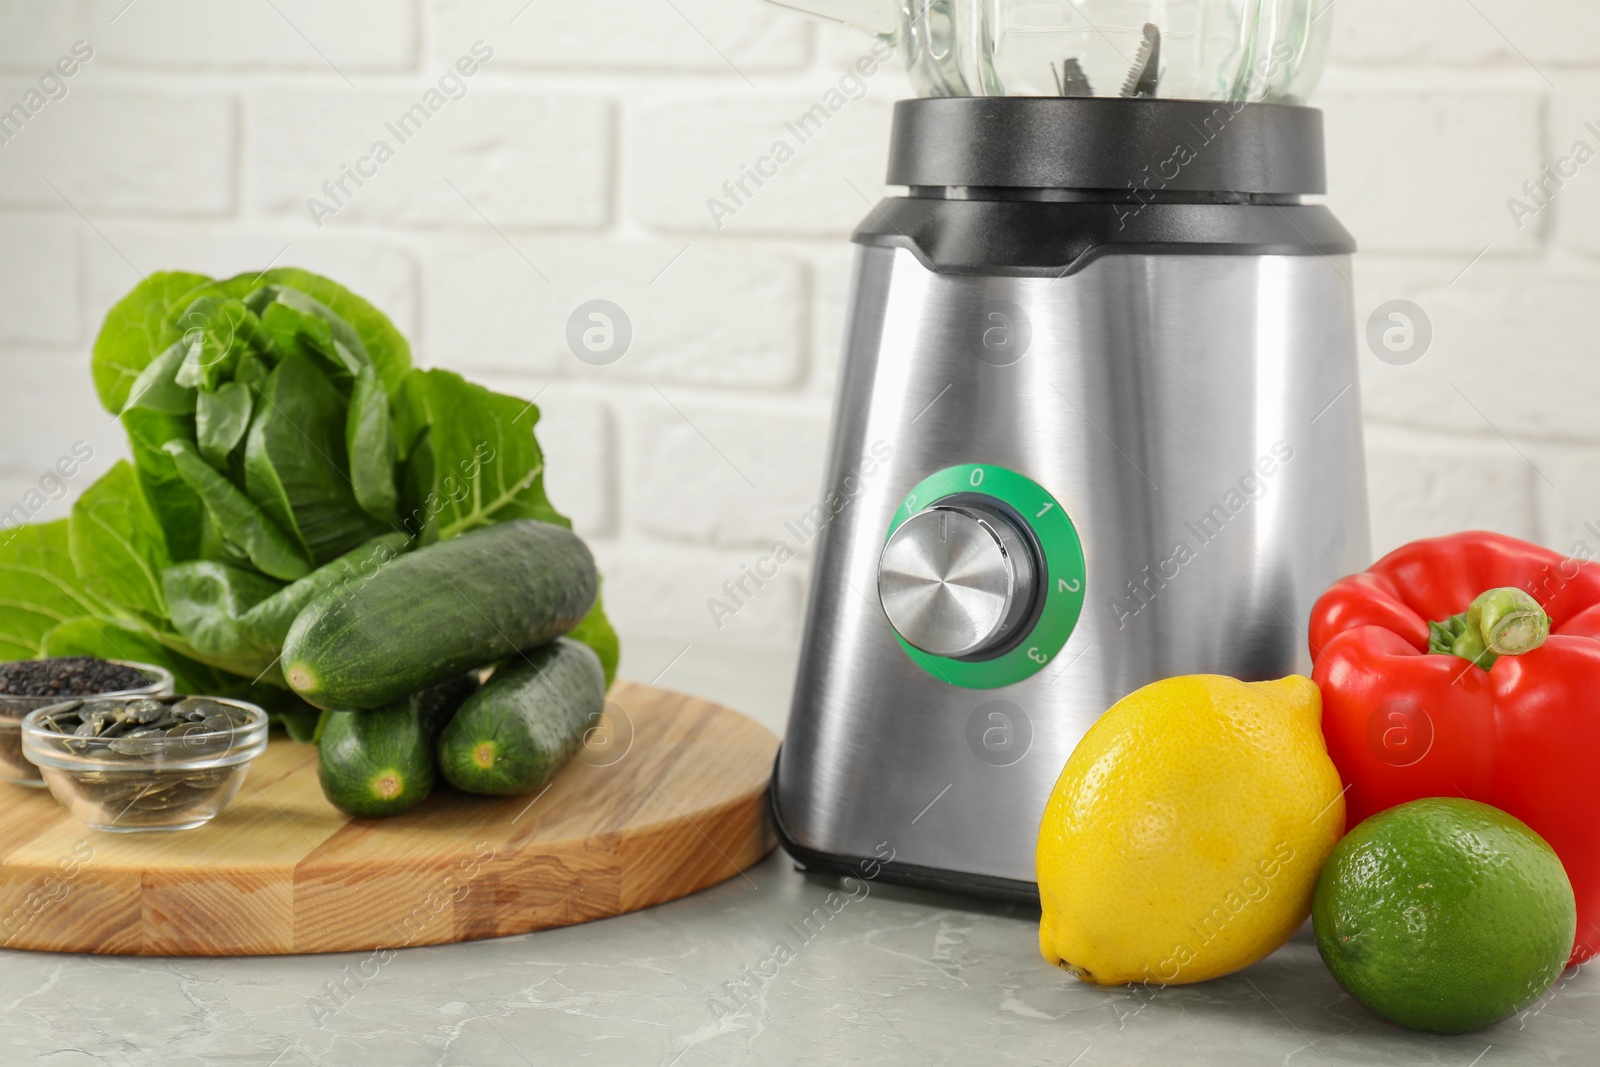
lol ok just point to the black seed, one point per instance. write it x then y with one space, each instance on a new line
67 676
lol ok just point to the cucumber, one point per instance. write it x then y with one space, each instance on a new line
431 614
515 733
269 621
376 763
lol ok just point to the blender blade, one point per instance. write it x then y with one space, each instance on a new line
1071 80
1145 76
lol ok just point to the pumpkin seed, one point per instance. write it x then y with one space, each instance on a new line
141 711
149 728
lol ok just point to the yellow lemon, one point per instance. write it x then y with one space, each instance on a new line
1186 833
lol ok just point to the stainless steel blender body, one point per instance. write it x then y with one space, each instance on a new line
1177 381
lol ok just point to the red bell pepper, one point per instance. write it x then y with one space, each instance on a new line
1422 697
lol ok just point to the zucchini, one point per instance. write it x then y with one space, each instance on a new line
375 763
431 614
515 733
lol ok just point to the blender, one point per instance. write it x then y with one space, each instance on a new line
1097 421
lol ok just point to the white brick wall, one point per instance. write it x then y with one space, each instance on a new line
1422 486
702 313
39 260
1554 32
166 152
628 35
525 159
32 32
698 143
1512 349
1429 171
728 475
582 156
350 35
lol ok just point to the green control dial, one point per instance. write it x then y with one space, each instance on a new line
992 563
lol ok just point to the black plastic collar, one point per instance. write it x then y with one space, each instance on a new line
1092 143
1030 239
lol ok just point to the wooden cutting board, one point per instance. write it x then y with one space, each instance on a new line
670 801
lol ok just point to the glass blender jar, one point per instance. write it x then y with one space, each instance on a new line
1267 51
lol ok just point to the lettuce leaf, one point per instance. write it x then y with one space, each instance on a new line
137 329
117 546
382 345
295 466
595 631
472 455
39 588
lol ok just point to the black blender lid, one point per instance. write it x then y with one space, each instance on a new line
1108 143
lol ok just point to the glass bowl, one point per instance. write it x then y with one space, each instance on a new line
17 770
129 782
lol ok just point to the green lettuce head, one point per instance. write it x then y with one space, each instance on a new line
282 444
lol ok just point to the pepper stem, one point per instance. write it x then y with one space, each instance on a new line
1500 622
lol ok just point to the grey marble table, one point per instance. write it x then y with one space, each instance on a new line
736 975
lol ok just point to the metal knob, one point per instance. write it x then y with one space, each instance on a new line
956 580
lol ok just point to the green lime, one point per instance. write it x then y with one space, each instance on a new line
1444 915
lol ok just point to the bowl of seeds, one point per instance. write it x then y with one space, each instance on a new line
145 763
29 684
